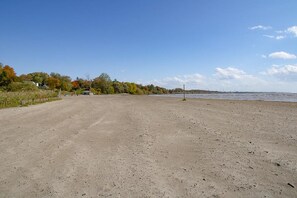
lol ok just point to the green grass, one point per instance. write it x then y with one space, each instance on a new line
16 99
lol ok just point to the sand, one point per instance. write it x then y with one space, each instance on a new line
146 146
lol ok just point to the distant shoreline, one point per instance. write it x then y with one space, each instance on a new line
250 96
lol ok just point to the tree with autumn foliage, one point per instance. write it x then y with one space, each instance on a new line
80 83
7 75
58 81
75 85
53 82
103 84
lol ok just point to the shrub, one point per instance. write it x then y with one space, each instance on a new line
22 86
14 99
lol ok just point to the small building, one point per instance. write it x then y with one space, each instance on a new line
87 93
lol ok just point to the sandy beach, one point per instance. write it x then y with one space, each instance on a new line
146 146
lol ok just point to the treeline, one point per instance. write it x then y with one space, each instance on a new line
102 84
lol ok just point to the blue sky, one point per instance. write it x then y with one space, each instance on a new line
225 45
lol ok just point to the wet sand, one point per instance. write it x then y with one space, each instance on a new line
144 146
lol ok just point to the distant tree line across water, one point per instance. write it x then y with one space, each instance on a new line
102 84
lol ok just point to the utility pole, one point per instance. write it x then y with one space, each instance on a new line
184 87
90 86
90 81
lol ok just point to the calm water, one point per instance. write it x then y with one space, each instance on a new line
285 97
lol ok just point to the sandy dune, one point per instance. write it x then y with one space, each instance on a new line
145 146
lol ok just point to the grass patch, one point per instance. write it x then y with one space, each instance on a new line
16 99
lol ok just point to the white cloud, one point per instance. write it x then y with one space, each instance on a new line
263 56
269 36
282 55
287 72
292 30
280 31
276 78
191 80
234 79
279 37
287 69
260 27
279 34
229 73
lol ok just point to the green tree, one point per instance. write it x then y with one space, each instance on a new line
25 77
66 83
132 88
39 77
103 83
58 81
53 82
126 87
118 87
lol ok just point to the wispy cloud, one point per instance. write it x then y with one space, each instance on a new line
292 30
279 34
228 79
268 36
287 72
282 55
229 73
191 80
260 27
275 78
235 79
278 37
280 31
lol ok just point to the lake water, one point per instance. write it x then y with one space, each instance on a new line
284 97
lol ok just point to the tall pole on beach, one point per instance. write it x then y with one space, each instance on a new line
184 87
90 87
90 81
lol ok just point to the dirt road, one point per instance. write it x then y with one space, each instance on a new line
144 146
